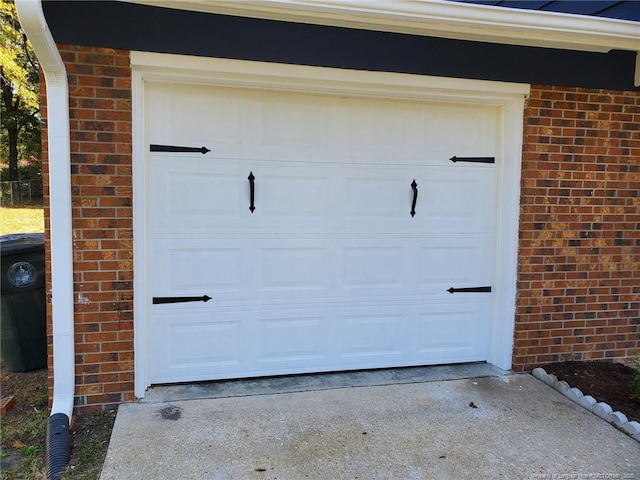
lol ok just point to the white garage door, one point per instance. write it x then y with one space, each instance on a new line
330 271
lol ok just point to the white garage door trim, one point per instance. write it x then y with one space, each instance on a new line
148 67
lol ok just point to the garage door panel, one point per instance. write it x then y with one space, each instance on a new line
239 123
378 197
298 197
197 267
286 195
193 270
458 199
372 269
234 270
299 338
200 195
474 129
370 137
187 193
210 343
457 262
273 341
376 335
288 268
296 121
293 197
455 330
295 269
177 113
213 346
230 269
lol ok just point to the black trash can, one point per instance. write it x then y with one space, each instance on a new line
23 329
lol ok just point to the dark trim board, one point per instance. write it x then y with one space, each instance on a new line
130 26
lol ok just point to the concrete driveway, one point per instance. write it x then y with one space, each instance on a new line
506 426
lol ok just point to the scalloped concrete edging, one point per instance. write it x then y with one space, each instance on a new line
601 409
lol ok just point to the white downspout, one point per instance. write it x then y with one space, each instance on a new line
61 267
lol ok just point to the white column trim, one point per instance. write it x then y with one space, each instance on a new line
140 297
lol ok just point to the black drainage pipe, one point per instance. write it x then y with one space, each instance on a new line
58 450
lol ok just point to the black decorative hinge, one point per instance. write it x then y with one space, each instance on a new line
469 290
159 300
474 159
172 148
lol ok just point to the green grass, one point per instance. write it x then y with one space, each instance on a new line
23 439
21 220
90 441
24 434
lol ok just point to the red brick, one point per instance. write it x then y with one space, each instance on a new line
590 243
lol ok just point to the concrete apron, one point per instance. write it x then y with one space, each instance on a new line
507 426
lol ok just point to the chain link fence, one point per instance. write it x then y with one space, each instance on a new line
20 191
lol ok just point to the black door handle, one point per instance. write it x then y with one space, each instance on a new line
414 186
252 188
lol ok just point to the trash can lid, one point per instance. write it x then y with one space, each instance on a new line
21 243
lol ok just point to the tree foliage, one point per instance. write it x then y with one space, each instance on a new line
19 93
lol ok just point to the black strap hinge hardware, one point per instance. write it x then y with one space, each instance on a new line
174 149
469 290
455 159
161 300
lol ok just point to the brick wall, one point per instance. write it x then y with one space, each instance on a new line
579 260
100 124
579 267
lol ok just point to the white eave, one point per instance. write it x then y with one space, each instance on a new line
437 18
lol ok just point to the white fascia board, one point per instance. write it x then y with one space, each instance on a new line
438 18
